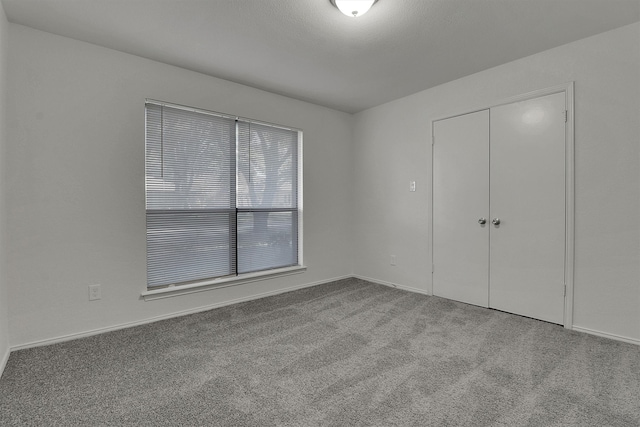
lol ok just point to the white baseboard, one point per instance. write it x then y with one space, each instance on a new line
606 335
98 331
575 328
392 285
4 358
3 361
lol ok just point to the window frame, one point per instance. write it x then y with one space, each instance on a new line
187 287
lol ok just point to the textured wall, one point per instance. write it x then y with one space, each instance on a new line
392 143
76 183
4 304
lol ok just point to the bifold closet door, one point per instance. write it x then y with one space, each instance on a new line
460 206
527 248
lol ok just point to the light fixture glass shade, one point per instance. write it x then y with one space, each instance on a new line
354 8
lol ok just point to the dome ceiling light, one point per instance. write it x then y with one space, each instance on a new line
353 8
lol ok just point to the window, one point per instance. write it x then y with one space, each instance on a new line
222 195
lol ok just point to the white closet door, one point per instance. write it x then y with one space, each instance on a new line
527 248
460 199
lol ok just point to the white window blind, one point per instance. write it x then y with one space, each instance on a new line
221 196
267 197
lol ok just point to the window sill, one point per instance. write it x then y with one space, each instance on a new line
172 291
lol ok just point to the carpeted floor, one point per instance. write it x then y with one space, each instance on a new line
349 353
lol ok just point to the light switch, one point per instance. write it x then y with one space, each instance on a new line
412 186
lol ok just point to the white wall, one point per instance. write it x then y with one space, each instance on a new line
392 146
76 183
4 305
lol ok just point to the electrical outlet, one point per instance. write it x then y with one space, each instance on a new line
94 292
393 260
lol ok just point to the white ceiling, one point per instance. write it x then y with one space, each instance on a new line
307 49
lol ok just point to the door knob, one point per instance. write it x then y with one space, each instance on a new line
495 221
482 221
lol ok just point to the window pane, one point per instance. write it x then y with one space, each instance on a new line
267 166
267 240
186 246
190 160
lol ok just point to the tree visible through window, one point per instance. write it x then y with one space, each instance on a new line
221 195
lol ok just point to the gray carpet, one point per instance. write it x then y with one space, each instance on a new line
348 353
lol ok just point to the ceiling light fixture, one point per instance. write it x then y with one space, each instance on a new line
353 8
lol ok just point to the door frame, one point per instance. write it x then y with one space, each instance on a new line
569 256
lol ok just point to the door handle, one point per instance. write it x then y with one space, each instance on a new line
482 221
495 221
